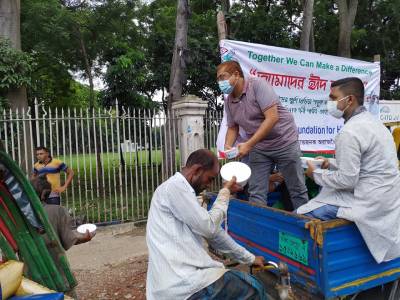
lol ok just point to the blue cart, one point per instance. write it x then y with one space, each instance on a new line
326 259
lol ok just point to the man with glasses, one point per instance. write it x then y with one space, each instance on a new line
362 183
253 105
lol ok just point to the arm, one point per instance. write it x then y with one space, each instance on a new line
274 181
348 160
184 206
70 176
225 244
231 136
233 128
34 174
83 238
271 116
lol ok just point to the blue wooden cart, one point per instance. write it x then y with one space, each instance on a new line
327 259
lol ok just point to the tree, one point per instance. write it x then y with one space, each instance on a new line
15 70
46 32
306 30
376 32
10 29
347 15
177 79
180 53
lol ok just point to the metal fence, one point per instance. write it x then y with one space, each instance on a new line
212 122
116 155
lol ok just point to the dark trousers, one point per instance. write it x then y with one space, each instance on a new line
288 163
233 285
53 200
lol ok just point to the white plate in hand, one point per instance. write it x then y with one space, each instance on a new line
88 226
316 162
238 169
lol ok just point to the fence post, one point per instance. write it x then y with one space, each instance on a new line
37 123
190 112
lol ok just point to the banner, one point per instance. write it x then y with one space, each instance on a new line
302 80
389 111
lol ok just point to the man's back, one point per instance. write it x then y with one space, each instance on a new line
179 265
62 223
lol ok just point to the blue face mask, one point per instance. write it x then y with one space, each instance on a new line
225 87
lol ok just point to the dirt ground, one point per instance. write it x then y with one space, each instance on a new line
113 265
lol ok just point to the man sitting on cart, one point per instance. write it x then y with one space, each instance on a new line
362 183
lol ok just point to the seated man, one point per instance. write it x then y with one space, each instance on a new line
362 184
179 265
278 194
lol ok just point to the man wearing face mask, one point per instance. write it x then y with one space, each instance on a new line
179 265
253 105
362 183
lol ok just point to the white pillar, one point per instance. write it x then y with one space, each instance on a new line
190 112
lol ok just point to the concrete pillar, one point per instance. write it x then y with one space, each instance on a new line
190 112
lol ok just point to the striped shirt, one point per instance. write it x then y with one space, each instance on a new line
52 171
179 264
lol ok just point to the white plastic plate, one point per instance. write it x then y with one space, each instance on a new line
82 228
238 169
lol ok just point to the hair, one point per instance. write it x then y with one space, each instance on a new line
203 157
42 148
230 67
351 86
42 187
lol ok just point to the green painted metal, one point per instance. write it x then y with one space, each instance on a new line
23 247
49 270
38 251
7 250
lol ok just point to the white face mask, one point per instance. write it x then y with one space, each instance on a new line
333 110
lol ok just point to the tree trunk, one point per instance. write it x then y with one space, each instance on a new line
305 36
221 26
226 6
10 28
178 66
177 79
347 15
10 21
312 39
88 68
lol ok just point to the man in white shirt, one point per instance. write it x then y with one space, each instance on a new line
179 265
362 183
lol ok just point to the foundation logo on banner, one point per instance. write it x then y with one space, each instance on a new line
227 54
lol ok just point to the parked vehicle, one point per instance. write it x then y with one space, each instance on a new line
325 259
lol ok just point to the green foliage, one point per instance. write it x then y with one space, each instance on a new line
129 44
125 78
265 23
380 20
46 32
158 21
15 67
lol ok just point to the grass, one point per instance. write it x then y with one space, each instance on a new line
114 208
113 192
109 160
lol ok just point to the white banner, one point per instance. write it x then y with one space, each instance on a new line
302 80
389 111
